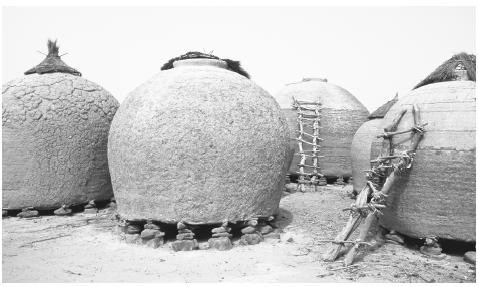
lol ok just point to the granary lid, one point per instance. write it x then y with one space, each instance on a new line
382 110
52 63
314 79
200 62
234 66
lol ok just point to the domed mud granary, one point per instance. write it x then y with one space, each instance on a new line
198 143
55 130
341 114
438 196
366 145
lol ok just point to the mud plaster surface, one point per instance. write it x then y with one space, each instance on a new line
198 144
438 196
90 253
55 130
361 151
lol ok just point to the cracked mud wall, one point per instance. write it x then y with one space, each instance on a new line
55 130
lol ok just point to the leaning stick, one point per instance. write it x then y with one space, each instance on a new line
352 223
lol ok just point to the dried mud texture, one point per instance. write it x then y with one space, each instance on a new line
198 144
438 196
55 131
361 151
341 115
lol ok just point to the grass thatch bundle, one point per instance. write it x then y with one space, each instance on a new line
446 71
382 110
52 63
232 65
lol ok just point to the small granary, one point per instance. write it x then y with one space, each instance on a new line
54 133
339 116
437 197
198 144
361 149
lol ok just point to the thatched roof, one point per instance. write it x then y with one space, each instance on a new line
446 71
382 111
234 66
52 63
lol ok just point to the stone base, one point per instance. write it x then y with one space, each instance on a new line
251 239
28 213
184 245
265 229
62 211
470 257
432 252
220 243
395 238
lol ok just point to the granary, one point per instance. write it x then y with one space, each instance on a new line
198 144
55 127
436 199
361 149
338 117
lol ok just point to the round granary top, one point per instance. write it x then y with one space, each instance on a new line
317 89
199 144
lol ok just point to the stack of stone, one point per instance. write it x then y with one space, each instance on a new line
394 238
322 181
432 248
63 210
91 207
185 239
340 181
250 233
28 212
221 238
152 236
132 233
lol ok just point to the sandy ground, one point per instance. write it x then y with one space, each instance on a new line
84 248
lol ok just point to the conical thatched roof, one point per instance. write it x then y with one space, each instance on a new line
234 66
382 111
446 71
52 63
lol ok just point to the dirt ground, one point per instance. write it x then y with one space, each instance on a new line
84 248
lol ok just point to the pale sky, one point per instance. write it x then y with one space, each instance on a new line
371 52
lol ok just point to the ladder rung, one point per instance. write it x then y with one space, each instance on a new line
306 165
307 109
312 144
310 135
306 155
307 103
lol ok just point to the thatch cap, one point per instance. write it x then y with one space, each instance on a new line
382 110
232 65
52 63
447 71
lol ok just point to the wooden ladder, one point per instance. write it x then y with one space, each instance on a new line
308 115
